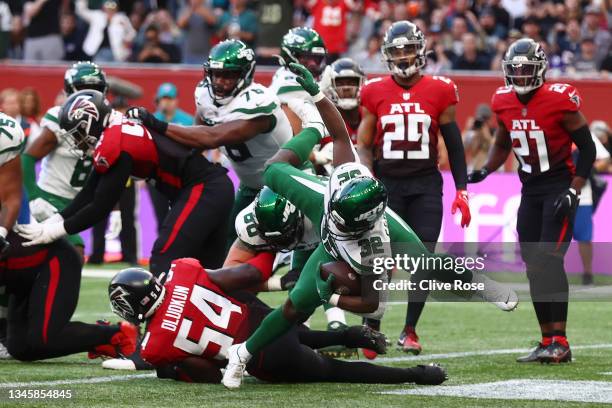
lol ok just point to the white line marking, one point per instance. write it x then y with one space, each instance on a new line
527 389
94 380
478 353
98 273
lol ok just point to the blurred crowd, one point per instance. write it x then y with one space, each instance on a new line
461 34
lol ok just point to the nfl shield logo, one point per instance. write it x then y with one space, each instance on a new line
524 112
406 96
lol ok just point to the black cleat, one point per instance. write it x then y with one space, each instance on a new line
367 338
431 374
533 356
556 353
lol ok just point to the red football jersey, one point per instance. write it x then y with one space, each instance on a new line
406 140
541 144
330 23
195 318
352 131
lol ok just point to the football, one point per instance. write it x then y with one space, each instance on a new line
347 280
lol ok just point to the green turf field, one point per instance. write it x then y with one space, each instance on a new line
486 334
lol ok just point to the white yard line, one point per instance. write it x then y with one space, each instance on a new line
94 380
98 273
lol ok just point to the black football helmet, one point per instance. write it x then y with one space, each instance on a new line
135 294
403 49
341 83
84 75
83 117
524 66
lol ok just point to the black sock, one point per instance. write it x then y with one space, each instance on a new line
316 339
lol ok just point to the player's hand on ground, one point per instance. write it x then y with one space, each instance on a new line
41 209
305 78
461 203
325 287
477 176
566 204
39 234
147 119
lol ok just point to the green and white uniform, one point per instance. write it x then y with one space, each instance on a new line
12 138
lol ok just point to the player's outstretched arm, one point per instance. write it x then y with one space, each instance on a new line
10 194
497 155
255 271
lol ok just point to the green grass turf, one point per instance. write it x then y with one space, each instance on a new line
444 328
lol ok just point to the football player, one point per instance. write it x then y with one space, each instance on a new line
241 117
398 140
200 192
355 226
197 314
539 121
64 168
43 281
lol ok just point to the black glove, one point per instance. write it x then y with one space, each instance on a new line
147 119
566 204
4 246
477 175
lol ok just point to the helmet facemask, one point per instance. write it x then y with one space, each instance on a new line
523 75
404 57
285 240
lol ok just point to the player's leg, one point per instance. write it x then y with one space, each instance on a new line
244 197
99 242
195 215
39 325
127 236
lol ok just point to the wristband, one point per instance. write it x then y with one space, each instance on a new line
318 97
334 299
3 232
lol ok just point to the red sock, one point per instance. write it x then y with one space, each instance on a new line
561 340
547 340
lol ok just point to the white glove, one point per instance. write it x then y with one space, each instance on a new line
114 225
41 209
325 155
55 218
38 234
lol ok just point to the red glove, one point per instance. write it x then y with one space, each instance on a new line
461 202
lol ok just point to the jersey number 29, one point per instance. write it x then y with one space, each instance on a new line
411 127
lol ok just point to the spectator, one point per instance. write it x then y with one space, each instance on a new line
478 137
5 29
601 129
491 31
169 32
454 42
154 51
502 17
73 37
471 58
110 32
29 104
239 23
275 19
43 40
370 59
197 21
586 63
516 8
570 41
167 106
137 15
9 104
606 65
591 28
531 29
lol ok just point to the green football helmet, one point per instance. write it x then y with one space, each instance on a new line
279 222
305 46
229 69
84 75
356 207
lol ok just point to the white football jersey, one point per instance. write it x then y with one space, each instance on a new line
12 138
246 229
63 172
248 158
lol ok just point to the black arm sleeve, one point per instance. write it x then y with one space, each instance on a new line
107 193
586 151
456 154
84 197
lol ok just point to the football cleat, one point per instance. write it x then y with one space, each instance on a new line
236 366
132 363
338 351
556 353
408 341
366 338
430 374
122 344
4 354
496 293
288 280
533 356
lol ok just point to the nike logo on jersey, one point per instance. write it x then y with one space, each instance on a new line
310 184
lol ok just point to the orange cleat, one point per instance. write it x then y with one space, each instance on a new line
409 341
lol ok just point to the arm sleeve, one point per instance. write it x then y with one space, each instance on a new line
105 196
586 151
456 154
303 143
28 167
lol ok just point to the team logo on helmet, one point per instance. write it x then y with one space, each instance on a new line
81 106
119 302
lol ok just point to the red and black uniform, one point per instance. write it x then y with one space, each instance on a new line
196 318
200 193
43 285
352 131
543 148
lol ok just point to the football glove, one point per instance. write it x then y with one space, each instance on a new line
4 244
566 204
41 209
147 119
305 78
114 225
477 175
325 287
461 203
39 234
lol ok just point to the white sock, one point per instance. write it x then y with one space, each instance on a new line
274 283
335 314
